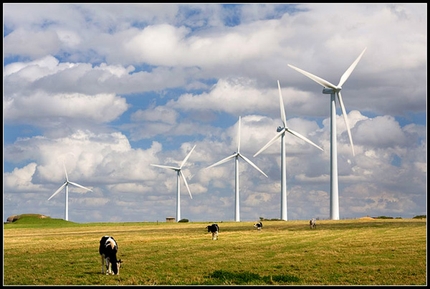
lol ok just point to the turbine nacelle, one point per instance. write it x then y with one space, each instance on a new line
279 129
327 90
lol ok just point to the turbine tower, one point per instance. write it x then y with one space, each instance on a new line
334 90
178 182
66 185
281 134
236 156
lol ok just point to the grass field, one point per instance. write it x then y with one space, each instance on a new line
345 252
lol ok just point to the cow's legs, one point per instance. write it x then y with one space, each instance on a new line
108 266
215 235
103 263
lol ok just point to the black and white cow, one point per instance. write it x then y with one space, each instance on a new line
258 225
312 223
108 250
214 229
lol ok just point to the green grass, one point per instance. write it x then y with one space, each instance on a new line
345 252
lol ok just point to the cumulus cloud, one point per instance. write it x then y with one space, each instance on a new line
21 179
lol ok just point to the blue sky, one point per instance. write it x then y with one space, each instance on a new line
108 89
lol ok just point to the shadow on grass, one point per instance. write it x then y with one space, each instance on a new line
221 277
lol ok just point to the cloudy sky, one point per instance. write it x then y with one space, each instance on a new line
109 89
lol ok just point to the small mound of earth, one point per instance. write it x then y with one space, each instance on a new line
366 218
14 218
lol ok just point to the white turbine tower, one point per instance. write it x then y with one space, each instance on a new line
281 133
236 156
178 182
66 185
334 90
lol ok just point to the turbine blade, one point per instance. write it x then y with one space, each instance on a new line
270 142
59 189
303 138
348 72
222 161
166 167
345 117
65 171
315 78
186 184
238 137
281 106
78 185
252 164
186 158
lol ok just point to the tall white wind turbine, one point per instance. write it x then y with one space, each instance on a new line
66 185
281 133
178 182
334 90
236 156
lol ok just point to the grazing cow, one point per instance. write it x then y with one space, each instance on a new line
258 225
312 223
214 229
108 250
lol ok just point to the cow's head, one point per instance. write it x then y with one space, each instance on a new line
115 267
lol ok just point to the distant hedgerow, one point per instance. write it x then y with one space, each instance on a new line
384 217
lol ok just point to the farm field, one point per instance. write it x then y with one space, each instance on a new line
343 252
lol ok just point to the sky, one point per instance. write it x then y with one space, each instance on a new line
109 89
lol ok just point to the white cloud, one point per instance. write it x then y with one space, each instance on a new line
21 179
381 131
41 107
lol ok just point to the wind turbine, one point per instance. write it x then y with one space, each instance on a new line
178 188
281 133
66 185
334 90
236 156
